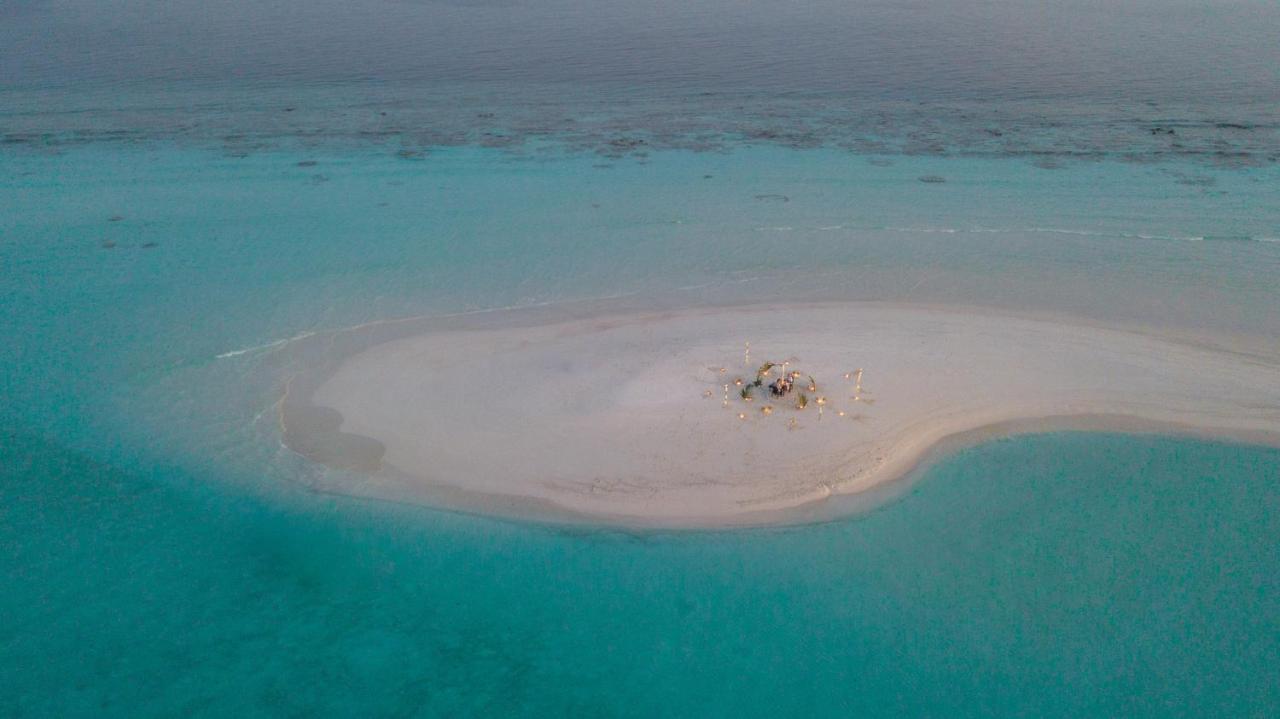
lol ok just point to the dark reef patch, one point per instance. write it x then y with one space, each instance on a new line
411 122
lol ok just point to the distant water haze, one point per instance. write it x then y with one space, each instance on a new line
1162 50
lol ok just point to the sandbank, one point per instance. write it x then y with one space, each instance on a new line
625 419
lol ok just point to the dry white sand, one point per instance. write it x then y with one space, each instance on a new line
609 419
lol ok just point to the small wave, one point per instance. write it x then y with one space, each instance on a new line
265 347
1083 233
1231 238
944 230
1059 231
532 304
739 278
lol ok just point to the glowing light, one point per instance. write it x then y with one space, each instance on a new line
742 415
766 409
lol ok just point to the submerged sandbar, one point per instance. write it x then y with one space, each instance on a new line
626 419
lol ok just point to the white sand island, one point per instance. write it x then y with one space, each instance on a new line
626 419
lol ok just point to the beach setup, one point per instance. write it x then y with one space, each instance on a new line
783 382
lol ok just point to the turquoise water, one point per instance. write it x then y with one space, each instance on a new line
163 556
1055 575
184 188
150 284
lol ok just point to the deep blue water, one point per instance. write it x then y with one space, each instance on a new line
913 49
183 186
1144 79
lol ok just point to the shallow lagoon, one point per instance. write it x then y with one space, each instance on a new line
164 555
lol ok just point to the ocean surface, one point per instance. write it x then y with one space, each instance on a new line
184 188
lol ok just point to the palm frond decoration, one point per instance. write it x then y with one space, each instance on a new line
764 370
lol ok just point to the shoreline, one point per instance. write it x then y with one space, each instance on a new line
818 510
570 447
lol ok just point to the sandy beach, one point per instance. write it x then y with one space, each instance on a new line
637 419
